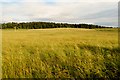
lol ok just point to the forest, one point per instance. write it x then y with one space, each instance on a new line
43 25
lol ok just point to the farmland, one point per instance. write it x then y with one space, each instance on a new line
60 53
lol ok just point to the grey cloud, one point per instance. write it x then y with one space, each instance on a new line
103 14
62 12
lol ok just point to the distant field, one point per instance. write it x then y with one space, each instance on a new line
60 53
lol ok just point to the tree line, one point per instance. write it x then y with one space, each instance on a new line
43 25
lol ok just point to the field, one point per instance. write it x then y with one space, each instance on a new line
60 53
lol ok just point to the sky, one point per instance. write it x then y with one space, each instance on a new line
100 12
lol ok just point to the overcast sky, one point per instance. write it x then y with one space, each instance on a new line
101 12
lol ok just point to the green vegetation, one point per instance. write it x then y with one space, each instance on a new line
43 25
60 53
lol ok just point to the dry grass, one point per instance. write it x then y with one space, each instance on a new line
60 53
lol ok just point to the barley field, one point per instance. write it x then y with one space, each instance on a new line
60 53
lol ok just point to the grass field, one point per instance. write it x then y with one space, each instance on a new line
60 53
